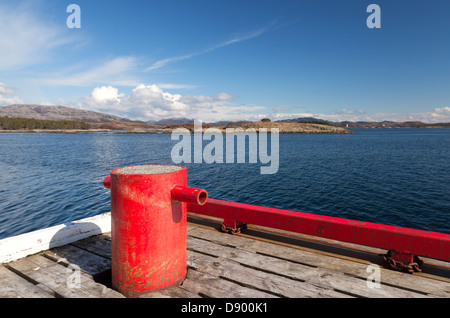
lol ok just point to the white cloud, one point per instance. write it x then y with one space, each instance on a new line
439 115
106 94
150 102
5 101
8 90
224 96
143 103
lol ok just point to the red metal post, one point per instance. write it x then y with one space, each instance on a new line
148 226
421 243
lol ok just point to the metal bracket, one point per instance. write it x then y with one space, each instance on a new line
233 227
403 261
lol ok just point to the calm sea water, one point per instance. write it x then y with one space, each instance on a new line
392 176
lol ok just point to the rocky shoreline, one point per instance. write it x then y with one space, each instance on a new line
56 131
283 128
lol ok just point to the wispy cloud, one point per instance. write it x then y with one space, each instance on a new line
176 86
116 71
26 39
7 90
235 39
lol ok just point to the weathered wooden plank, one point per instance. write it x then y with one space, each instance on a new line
428 283
53 276
439 286
216 287
14 286
324 278
254 278
320 260
88 262
99 245
65 281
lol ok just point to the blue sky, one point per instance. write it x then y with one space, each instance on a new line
230 60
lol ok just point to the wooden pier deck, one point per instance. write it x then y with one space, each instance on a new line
260 263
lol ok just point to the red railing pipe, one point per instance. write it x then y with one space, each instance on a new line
421 243
189 195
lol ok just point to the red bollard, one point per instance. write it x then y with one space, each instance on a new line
148 226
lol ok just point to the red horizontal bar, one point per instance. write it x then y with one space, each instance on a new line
422 243
189 195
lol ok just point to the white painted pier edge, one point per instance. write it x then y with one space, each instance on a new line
16 247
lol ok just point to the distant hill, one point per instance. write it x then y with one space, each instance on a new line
184 120
366 124
392 124
106 121
57 113
231 123
300 120
311 120
172 121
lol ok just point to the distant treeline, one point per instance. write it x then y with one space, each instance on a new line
10 123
